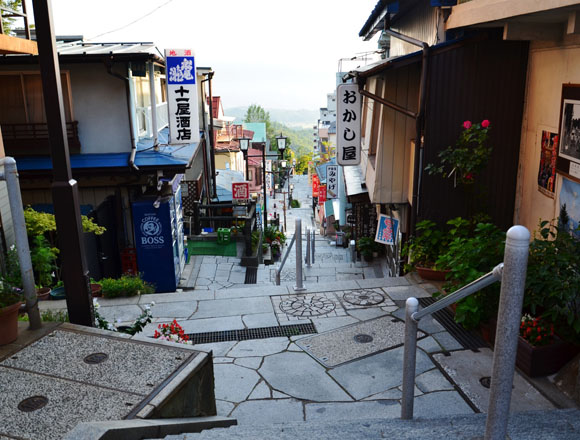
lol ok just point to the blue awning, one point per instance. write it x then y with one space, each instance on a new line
146 156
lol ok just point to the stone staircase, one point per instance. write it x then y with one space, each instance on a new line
537 425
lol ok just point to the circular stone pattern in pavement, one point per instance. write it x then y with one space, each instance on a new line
307 306
363 297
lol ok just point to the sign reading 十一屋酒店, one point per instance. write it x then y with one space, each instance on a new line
182 96
348 115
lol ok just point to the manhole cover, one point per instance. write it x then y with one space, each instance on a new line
307 306
363 339
96 358
363 297
32 403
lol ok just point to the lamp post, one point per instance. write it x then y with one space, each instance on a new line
244 145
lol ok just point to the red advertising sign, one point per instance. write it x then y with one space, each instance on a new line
322 194
315 185
240 191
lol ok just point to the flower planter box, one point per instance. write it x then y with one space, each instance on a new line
544 360
432 274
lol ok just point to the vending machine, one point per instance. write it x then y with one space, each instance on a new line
159 240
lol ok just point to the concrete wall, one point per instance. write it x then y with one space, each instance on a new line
100 106
550 66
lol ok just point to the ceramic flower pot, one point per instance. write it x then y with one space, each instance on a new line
432 274
43 293
96 290
9 323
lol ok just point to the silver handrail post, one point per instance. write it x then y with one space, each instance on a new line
299 276
409 358
21 238
308 248
510 310
284 258
313 245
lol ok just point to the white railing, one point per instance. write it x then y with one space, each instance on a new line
144 119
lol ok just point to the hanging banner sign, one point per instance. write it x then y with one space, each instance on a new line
182 96
387 229
332 181
348 115
241 191
269 176
322 193
315 185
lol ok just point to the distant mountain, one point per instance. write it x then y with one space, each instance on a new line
291 118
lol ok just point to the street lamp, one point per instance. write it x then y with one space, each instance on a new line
244 145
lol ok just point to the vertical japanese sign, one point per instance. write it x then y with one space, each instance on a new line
269 185
315 185
348 125
387 230
182 96
240 191
332 181
322 193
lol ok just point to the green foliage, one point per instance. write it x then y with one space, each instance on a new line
12 274
473 250
295 203
424 248
127 285
9 294
367 245
43 261
7 23
49 315
553 277
467 158
40 223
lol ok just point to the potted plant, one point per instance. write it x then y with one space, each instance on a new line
467 158
43 259
127 285
366 246
552 281
423 250
10 300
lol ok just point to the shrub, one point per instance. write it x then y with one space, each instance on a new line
127 285
295 203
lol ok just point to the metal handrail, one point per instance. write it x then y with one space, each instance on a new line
284 258
465 291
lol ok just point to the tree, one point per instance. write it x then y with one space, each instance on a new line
256 113
7 23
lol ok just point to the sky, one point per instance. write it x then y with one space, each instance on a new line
278 54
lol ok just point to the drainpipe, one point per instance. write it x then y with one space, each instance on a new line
131 104
211 138
153 105
419 123
205 164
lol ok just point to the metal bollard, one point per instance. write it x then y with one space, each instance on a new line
299 276
313 245
510 311
409 358
308 248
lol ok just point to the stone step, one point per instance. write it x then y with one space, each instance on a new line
556 425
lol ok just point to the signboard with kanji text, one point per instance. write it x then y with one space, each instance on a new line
348 132
332 181
315 185
322 193
387 230
240 191
182 96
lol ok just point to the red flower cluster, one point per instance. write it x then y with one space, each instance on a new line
536 331
170 329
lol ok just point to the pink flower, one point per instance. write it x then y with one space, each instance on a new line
469 176
467 125
485 123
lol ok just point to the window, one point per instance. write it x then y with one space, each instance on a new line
250 175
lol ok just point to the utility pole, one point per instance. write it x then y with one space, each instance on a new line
64 188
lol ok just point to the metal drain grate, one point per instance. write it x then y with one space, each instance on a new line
251 275
469 339
252 333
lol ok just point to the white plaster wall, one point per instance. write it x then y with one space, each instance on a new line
100 106
550 66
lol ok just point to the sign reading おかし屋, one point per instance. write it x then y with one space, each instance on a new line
348 115
182 96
